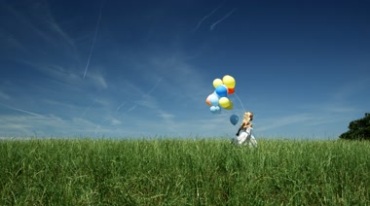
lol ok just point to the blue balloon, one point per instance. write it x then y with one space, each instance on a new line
213 98
234 119
221 91
215 109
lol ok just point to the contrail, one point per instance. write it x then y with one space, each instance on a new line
154 87
143 96
131 108
205 17
222 19
85 111
94 40
121 105
21 110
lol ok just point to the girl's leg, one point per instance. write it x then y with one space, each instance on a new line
253 141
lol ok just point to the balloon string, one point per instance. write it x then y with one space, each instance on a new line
240 101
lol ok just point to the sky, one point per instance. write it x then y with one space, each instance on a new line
134 68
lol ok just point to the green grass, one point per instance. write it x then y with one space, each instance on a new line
183 172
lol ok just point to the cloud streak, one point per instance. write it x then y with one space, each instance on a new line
4 96
205 17
21 110
48 31
146 99
285 121
99 80
93 41
212 27
154 87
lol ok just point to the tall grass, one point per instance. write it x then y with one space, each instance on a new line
183 172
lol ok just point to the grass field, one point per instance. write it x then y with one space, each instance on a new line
183 172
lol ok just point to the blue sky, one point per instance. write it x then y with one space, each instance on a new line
111 68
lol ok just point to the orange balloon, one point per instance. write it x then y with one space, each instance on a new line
208 101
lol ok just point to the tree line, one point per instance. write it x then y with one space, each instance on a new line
358 129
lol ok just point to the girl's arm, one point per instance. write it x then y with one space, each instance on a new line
240 128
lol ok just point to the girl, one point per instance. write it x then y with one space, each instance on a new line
244 134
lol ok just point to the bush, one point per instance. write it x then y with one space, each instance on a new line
358 129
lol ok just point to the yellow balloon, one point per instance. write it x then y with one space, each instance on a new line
231 106
224 102
217 82
229 81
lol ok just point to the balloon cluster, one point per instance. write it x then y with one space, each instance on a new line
219 98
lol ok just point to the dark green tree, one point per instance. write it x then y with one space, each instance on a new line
358 129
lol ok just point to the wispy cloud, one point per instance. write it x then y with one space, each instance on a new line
183 82
115 122
283 121
23 19
143 99
68 77
166 116
10 43
48 30
176 97
56 72
338 109
98 80
132 108
205 17
307 119
212 27
53 43
4 96
351 88
53 126
120 106
11 125
154 87
209 125
21 110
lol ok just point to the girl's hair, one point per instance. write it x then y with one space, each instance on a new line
248 115
249 124
247 121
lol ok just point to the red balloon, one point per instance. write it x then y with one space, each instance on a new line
230 90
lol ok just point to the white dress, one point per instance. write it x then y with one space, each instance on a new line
246 137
